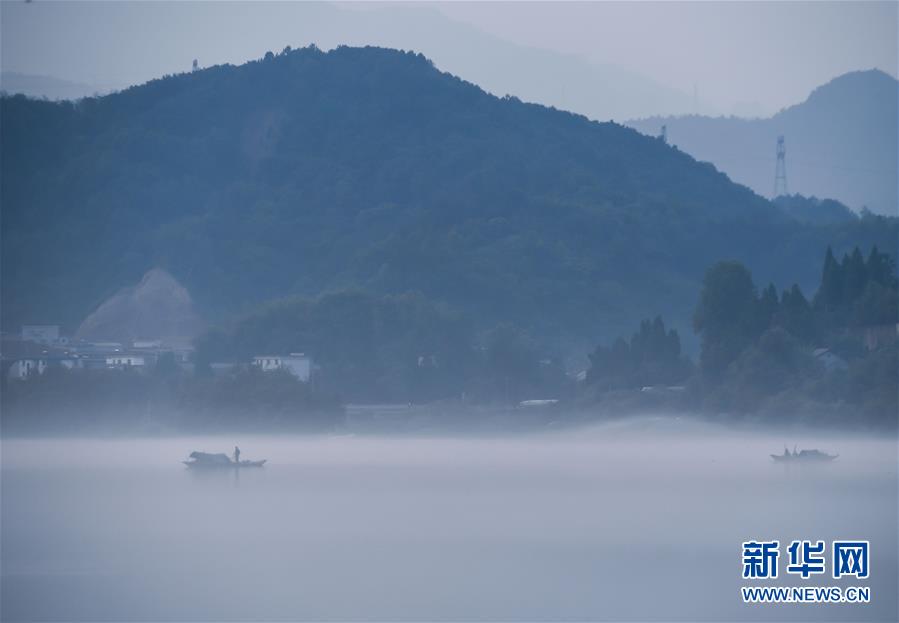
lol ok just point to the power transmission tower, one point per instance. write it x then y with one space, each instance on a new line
780 171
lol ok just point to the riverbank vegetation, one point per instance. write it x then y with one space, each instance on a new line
775 357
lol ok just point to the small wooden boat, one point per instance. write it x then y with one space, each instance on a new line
803 456
205 460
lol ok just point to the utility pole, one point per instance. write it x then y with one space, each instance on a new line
663 134
780 171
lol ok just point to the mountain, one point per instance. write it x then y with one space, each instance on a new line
500 66
366 168
814 210
841 143
13 82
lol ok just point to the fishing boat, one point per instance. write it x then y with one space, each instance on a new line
803 456
206 460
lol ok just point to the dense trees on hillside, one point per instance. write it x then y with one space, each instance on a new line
308 172
391 349
833 360
854 293
651 357
729 315
512 366
814 211
302 197
779 356
838 351
372 348
857 292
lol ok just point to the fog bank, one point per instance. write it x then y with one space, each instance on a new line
637 520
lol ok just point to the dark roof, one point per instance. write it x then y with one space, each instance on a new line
14 350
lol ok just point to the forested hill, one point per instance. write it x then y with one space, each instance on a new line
841 142
307 172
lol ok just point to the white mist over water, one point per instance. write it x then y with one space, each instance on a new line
639 520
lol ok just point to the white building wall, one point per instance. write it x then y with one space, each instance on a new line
300 367
125 360
23 368
297 364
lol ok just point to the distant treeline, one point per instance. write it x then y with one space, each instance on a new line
366 348
832 359
764 354
165 400
405 348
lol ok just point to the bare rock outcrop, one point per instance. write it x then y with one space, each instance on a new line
156 308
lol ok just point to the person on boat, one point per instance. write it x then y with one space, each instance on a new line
236 454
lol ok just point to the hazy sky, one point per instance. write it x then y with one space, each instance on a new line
744 57
770 52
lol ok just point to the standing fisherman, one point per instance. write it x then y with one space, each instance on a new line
236 454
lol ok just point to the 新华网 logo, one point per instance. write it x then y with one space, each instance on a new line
760 559
805 559
850 558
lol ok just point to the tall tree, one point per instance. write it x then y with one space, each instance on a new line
880 268
651 357
855 276
727 316
768 305
795 315
830 292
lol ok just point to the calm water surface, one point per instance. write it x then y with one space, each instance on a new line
635 521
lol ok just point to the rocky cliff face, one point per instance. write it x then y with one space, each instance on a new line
156 308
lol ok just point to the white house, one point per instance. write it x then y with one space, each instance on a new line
146 344
125 360
22 359
298 364
21 369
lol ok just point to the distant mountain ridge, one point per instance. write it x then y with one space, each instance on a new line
499 66
308 172
841 142
12 82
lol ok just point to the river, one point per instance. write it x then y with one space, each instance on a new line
634 520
